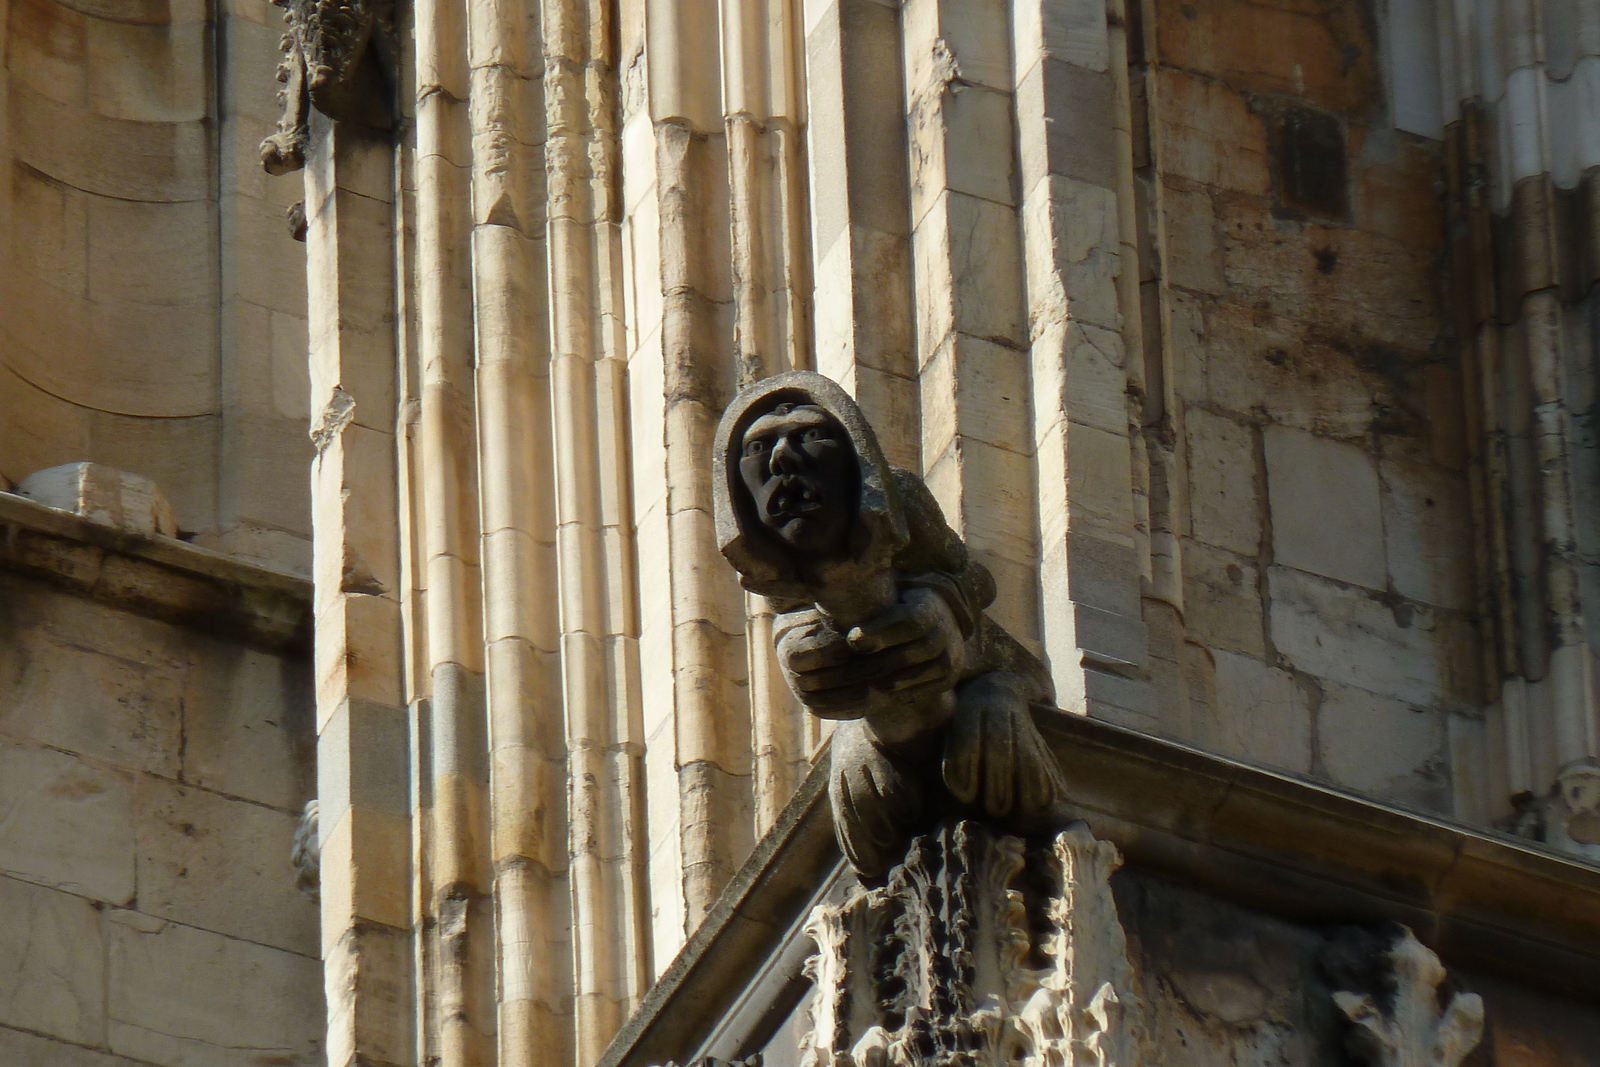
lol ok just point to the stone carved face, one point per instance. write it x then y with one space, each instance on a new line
800 469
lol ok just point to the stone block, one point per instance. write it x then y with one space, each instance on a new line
1209 136
83 701
103 495
1383 747
178 454
975 389
1073 31
1068 121
69 823
365 875
46 46
962 144
358 652
363 761
39 430
291 378
189 997
1261 714
222 865
49 225
972 31
369 972
1073 254
965 252
1224 497
1222 599
1426 538
1193 255
149 73
1326 515
18 1049
53 980
1417 654
162 161
248 725
1078 373
265 471
152 253
274 275
1086 484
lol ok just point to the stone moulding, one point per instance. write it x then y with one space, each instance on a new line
943 965
1265 840
157 577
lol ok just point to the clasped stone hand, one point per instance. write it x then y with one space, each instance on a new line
887 670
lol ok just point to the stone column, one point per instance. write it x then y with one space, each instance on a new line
363 763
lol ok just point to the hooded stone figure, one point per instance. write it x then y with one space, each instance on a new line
882 623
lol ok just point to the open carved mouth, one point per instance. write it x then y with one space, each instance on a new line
794 498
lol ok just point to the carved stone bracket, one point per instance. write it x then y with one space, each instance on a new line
1408 1028
976 951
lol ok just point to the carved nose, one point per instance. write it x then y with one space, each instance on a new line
785 457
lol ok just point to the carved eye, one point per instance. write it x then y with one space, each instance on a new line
755 448
814 435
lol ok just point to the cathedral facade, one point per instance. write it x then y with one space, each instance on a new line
375 684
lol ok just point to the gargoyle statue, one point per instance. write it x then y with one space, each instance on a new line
882 623
338 57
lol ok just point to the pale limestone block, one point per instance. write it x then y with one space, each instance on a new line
1384 747
86 624
53 981
1073 31
1080 368
357 653
1261 714
890 402
353 484
362 762
368 976
524 695
1222 599
690 425
100 706
1069 119
222 865
146 73
962 141
275 275
523 778
1259 367
1073 253
1416 654
703 586
247 725
265 470
365 874
18 1049
251 38
964 256
976 389
1083 569
972 31
1208 135
985 492
1326 516
103 495
69 823
46 49
832 309
1193 256
291 378
276 550
39 429
49 226
193 998
1095 469
526 585
1186 340
1224 501
654 554
1425 524
165 161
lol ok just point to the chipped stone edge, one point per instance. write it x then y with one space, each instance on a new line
1268 841
157 577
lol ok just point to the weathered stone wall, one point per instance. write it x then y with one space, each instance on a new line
152 304
1324 540
151 778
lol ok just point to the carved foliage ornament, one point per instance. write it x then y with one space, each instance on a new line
1404 1025
976 952
338 56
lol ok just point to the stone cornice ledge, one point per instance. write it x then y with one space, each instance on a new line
1265 840
159 577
